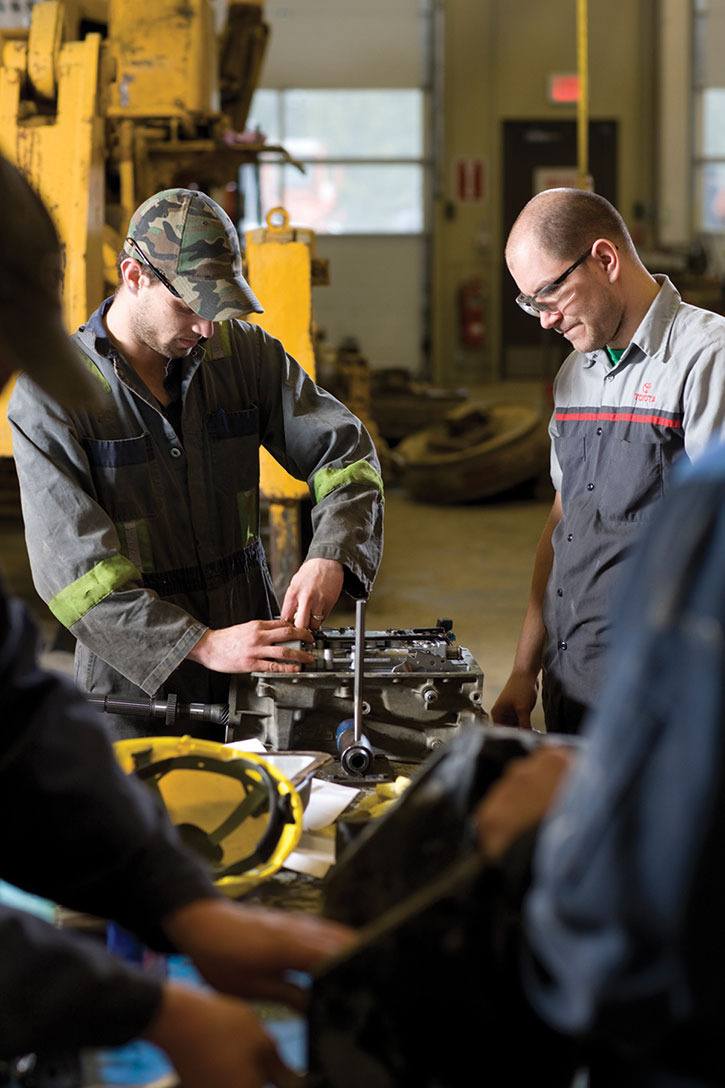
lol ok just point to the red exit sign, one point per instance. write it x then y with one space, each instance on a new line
564 88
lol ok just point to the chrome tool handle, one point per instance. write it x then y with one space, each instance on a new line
359 666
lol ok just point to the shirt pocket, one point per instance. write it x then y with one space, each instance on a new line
125 476
571 455
234 444
632 479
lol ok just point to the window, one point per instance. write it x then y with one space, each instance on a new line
709 105
363 153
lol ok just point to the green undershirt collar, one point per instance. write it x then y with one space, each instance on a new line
615 354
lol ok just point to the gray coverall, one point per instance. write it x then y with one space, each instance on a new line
140 538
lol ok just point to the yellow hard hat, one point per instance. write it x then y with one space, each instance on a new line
232 809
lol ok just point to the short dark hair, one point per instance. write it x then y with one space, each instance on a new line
566 221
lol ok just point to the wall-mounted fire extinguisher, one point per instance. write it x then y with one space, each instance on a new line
471 313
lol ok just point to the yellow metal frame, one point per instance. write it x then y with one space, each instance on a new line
140 106
152 79
279 269
61 152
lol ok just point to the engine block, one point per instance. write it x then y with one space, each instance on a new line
420 688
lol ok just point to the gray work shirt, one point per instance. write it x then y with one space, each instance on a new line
139 539
616 433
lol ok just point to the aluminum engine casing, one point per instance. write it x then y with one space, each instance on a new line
420 688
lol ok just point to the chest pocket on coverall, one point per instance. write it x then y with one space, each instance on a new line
124 474
234 440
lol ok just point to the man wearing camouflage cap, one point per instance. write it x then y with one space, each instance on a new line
142 519
78 831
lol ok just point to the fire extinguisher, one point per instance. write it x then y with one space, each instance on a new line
471 313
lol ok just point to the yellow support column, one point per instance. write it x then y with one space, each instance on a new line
584 180
61 153
280 274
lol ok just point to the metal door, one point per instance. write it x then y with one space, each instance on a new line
540 155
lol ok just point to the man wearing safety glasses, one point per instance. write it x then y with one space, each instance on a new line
142 520
644 385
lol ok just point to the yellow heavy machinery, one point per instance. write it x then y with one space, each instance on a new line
280 266
104 102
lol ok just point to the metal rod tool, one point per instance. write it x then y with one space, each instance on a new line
359 667
356 751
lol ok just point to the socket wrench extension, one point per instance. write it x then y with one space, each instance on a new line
356 751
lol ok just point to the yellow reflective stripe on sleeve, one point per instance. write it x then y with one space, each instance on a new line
72 603
359 472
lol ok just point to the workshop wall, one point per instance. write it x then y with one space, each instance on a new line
343 43
378 282
492 64
498 57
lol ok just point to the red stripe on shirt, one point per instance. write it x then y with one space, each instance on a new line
620 417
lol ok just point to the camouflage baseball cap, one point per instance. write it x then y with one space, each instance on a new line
193 243
32 334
